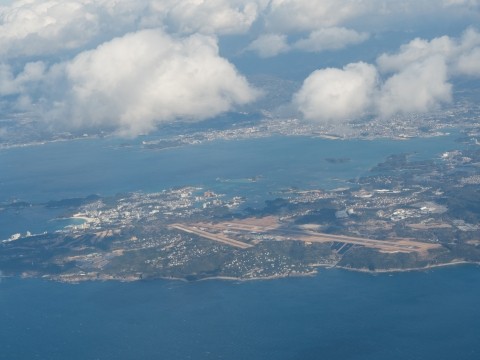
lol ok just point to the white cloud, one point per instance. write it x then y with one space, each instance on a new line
45 27
415 51
269 45
469 3
208 17
469 63
419 88
7 81
307 15
11 85
337 94
134 75
136 81
37 27
48 27
286 16
118 67
333 38
28 28
457 53
33 27
416 81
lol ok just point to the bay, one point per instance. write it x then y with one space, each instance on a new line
61 170
79 168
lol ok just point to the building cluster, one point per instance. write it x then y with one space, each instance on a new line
167 205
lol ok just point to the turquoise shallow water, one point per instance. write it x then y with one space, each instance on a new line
335 315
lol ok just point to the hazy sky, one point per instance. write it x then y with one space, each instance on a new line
130 65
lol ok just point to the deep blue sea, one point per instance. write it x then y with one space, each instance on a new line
334 315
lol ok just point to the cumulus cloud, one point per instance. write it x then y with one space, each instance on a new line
7 81
415 51
330 23
337 94
416 80
469 63
333 38
419 88
134 82
286 16
459 54
269 45
305 15
39 27
208 17
119 68
111 62
22 82
422 69
29 28
46 27
34 27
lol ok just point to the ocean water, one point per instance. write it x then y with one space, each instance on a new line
79 168
101 166
334 315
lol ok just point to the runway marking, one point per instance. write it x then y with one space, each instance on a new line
215 237
270 226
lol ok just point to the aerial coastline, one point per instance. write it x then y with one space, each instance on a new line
76 279
406 213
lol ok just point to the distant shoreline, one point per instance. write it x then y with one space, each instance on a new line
398 270
265 278
82 278
361 270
